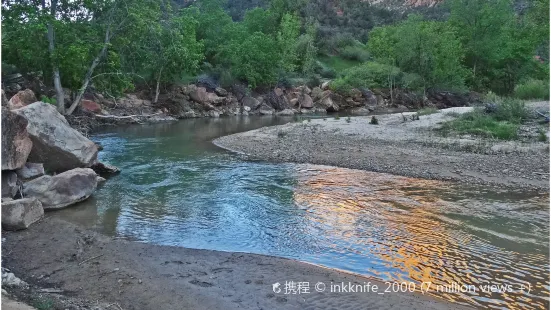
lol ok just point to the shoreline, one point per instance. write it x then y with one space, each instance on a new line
411 149
87 268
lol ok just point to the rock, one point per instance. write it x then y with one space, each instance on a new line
306 101
278 91
327 102
21 213
16 143
90 106
293 102
277 102
62 190
356 94
100 180
266 110
286 112
316 93
250 102
305 89
221 92
213 98
9 184
105 169
4 99
21 99
9 279
325 85
30 171
199 95
55 144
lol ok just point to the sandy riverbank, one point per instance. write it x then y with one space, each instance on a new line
86 270
407 148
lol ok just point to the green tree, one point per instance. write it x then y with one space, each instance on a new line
287 36
255 59
427 48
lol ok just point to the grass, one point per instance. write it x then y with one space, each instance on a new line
427 111
502 122
338 63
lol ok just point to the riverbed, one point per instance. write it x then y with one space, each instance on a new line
177 188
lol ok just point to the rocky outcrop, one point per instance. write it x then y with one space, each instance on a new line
30 171
55 144
16 144
10 186
21 99
62 190
21 213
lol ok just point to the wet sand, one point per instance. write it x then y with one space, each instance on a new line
93 270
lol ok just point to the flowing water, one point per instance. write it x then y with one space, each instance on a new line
177 188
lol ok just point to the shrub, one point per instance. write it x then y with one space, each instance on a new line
355 52
532 89
48 100
374 120
368 75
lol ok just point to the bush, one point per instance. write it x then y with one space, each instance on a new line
49 100
532 89
368 75
374 120
355 52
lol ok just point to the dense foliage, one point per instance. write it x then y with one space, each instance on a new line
113 46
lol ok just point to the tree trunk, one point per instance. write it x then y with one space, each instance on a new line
89 73
60 96
158 83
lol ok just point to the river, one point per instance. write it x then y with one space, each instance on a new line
177 188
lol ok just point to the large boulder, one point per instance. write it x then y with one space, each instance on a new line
62 190
21 213
16 144
251 102
30 171
266 110
199 94
55 144
306 101
10 187
327 102
21 99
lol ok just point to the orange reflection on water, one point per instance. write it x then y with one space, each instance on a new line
407 229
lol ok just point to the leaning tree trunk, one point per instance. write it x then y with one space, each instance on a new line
60 96
89 73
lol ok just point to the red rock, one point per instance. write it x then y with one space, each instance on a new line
90 106
21 99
